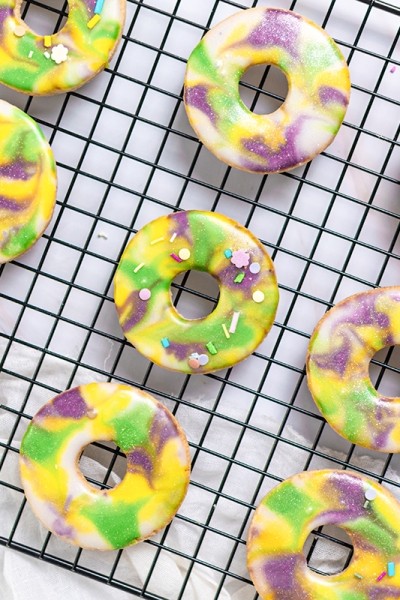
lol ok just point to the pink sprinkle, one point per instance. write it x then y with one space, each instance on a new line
240 258
144 294
381 576
176 257
194 363
393 69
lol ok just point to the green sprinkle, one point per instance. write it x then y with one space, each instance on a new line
239 278
366 504
211 348
357 575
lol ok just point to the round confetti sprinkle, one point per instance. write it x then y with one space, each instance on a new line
370 494
194 363
258 296
144 294
19 31
184 254
203 359
255 267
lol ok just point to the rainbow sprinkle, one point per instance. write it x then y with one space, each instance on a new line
98 7
93 21
160 239
381 576
138 268
228 253
47 41
225 331
234 322
370 494
176 257
165 342
211 348
391 569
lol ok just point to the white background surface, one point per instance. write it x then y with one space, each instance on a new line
67 333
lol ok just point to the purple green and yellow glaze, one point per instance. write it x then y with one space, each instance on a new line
301 504
340 350
310 117
28 182
26 62
152 490
216 245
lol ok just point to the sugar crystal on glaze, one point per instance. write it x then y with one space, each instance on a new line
301 504
207 236
152 490
28 182
340 350
310 117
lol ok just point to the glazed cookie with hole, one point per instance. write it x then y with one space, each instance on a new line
340 351
53 64
309 118
28 182
368 513
149 495
207 242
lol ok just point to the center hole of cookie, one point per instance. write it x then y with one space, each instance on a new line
103 465
46 21
386 377
263 89
329 551
194 294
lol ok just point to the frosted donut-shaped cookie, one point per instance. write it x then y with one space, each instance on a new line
288 514
28 182
203 241
53 64
157 474
340 350
310 117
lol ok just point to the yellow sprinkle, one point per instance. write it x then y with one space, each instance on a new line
156 241
225 331
138 268
47 41
93 21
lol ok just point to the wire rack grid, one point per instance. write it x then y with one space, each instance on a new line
126 154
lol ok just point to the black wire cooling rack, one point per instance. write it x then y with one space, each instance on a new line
126 154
